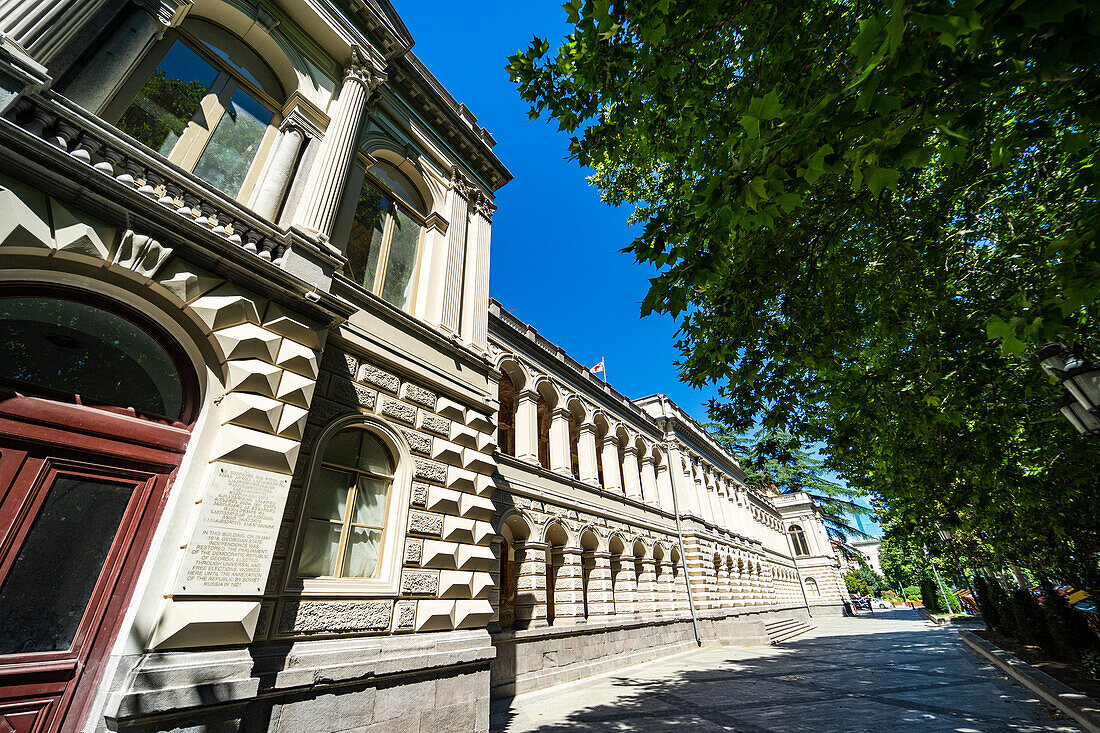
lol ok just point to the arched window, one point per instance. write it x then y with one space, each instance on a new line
384 244
798 540
345 515
206 101
506 418
811 587
543 412
75 351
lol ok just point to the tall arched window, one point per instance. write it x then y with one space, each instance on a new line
811 587
798 540
543 413
207 102
506 418
345 515
384 244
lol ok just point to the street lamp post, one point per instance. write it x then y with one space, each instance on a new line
939 582
1081 379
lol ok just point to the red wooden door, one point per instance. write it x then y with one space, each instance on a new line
80 492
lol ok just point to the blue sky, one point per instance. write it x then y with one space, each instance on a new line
556 262
555 250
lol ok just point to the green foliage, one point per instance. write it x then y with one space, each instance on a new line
986 606
912 593
777 459
862 214
857 586
1029 618
902 560
930 596
1070 635
874 581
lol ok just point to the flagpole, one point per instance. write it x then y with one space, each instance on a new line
603 372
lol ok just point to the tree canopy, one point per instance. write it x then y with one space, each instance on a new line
863 214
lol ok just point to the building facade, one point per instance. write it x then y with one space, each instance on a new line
270 458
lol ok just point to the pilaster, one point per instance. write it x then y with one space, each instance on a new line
560 459
586 454
632 486
530 563
527 426
612 472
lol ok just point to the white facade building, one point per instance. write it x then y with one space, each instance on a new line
270 459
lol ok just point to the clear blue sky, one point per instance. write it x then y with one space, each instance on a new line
556 262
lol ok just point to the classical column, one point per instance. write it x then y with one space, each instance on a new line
706 510
43 28
685 492
649 480
600 585
527 426
560 459
461 192
622 574
612 476
475 296
632 484
530 564
586 454
664 487
325 185
269 194
647 587
568 590
108 68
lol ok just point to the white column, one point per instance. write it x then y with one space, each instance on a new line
685 492
586 453
706 510
649 480
664 487
527 426
475 296
612 475
632 480
452 282
43 28
269 194
325 185
560 458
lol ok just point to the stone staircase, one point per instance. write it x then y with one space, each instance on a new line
784 629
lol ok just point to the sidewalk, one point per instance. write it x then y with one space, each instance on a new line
888 671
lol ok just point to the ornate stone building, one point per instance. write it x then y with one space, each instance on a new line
270 459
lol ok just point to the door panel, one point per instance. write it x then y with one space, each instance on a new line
75 525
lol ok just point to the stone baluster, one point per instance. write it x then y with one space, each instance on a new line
325 185
530 564
632 484
586 454
527 426
561 461
649 480
612 475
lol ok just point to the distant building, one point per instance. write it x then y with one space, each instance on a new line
270 458
869 549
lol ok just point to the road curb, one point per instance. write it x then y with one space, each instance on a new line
1081 708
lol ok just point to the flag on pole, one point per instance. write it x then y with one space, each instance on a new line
599 368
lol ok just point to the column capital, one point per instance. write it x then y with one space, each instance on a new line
601 554
530 545
169 13
361 68
561 412
569 550
527 395
647 459
631 450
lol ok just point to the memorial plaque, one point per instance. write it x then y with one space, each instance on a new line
231 548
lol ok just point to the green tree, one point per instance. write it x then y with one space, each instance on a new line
775 459
861 214
857 586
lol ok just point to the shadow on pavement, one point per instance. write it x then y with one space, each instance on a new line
861 676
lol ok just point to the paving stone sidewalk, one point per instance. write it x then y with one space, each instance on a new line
884 672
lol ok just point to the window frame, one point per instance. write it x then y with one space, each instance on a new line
387 578
189 149
366 162
798 540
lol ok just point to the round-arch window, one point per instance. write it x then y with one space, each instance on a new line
62 346
346 511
